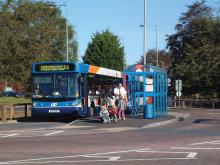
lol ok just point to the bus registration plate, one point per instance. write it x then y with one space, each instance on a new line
54 111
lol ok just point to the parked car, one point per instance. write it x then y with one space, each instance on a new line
13 94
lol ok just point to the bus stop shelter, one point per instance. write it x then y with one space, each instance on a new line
147 91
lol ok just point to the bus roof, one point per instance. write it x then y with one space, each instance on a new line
104 71
71 67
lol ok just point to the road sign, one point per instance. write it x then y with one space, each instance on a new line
178 93
169 82
178 85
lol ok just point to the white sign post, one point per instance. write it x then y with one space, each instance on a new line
178 88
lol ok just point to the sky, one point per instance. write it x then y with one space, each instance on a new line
123 18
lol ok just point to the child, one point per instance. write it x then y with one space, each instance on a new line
121 108
113 111
104 114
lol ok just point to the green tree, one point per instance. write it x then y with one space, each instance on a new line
105 50
195 51
31 31
164 58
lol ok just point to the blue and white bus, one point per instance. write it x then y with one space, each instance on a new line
67 88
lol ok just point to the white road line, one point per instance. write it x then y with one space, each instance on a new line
70 156
53 133
114 158
110 158
192 155
188 148
189 154
166 152
193 144
10 135
88 161
71 122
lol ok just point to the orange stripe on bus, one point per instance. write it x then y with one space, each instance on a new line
93 69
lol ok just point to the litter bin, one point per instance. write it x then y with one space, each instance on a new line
148 111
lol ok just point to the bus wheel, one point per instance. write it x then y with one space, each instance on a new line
75 115
50 118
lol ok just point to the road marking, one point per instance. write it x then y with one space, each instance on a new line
166 152
188 148
53 133
71 122
10 135
88 161
70 156
192 155
193 144
114 158
110 158
189 154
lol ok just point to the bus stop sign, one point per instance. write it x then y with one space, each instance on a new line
178 93
178 85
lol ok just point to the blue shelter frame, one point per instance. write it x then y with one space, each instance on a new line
147 86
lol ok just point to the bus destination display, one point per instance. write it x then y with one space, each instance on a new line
52 68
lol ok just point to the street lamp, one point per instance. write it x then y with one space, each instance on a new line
145 31
67 31
155 42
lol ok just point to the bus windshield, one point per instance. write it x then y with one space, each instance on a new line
55 86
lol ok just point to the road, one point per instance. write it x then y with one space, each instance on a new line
193 141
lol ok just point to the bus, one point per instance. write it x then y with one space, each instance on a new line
68 88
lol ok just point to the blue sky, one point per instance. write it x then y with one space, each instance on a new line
123 18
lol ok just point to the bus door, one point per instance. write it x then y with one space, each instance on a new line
83 88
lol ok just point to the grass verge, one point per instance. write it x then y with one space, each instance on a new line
13 100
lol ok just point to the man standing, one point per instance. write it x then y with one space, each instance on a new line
120 90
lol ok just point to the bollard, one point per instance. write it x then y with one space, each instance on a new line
26 111
4 112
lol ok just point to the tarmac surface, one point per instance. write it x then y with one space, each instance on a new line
192 138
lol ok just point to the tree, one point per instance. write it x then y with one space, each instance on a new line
195 50
164 58
105 50
31 31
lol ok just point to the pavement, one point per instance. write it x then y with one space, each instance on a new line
192 137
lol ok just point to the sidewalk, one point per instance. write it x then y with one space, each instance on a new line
138 122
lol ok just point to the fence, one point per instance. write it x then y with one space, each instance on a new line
195 103
10 111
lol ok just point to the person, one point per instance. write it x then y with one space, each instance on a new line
113 110
121 108
92 108
104 114
120 90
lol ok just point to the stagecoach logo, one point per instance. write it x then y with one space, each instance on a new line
53 104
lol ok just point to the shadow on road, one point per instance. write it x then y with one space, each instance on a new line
46 119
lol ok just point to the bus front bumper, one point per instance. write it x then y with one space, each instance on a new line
57 111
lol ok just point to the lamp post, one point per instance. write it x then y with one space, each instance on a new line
145 31
67 35
155 42
67 30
